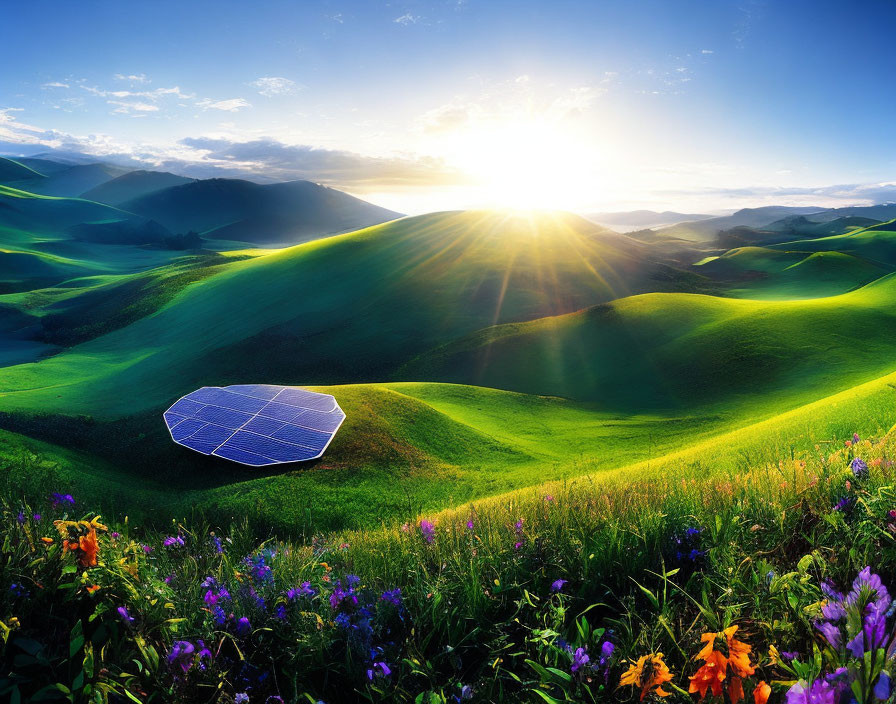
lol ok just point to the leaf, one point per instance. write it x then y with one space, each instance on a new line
649 594
547 697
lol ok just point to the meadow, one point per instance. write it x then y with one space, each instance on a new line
566 451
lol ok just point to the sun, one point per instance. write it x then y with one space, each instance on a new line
528 163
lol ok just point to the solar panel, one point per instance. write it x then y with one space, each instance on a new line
255 424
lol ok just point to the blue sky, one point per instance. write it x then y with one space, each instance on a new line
608 104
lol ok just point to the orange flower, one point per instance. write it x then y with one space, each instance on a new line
93 588
48 541
650 671
735 690
738 654
90 548
711 675
761 693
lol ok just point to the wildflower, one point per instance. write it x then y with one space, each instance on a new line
18 590
855 438
147 549
882 688
125 616
648 672
518 526
820 692
304 590
58 499
243 627
173 541
241 698
218 616
36 517
517 545
21 518
428 531
181 655
48 541
384 670
762 692
558 585
93 588
466 693
90 548
392 596
115 535
470 524
549 498
859 468
579 660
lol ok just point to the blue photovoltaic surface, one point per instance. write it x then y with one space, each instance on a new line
255 424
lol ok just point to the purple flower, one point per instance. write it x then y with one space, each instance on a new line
173 541
873 633
558 585
280 612
241 698
830 632
470 528
466 693
517 545
304 590
871 583
216 544
606 651
789 655
181 655
58 499
147 549
859 468
243 627
21 517
855 438
393 596
579 660
384 670
428 531
36 517
518 526
820 692
125 616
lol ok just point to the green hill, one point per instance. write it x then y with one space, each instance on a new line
279 213
12 171
134 184
679 351
766 273
347 308
24 210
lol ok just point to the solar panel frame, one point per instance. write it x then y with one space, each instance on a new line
201 418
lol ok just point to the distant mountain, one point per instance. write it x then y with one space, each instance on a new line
882 213
13 171
36 213
278 213
54 178
134 184
626 221
801 226
706 230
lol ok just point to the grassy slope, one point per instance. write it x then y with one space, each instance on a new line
345 308
742 357
778 274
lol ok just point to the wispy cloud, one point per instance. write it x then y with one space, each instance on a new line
123 107
275 159
132 78
232 105
271 86
55 84
707 51
406 19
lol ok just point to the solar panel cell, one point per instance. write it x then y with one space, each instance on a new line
250 423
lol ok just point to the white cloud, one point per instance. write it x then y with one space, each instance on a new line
406 19
132 78
126 107
55 84
270 86
231 105
707 51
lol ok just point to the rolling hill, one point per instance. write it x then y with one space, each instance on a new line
682 351
24 210
279 213
627 221
134 184
12 171
349 308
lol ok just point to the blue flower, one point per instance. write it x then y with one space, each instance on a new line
882 688
392 596
125 616
243 627
859 468
558 585
241 698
